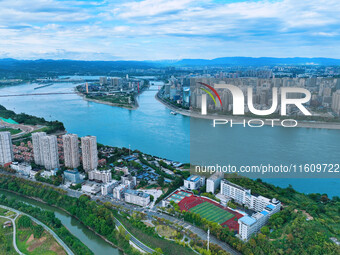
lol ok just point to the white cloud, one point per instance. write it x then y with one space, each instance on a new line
152 29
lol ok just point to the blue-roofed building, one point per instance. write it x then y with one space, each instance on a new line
194 182
247 227
264 213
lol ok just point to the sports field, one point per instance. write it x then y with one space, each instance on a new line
212 212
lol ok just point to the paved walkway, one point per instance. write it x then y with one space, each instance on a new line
61 242
14 233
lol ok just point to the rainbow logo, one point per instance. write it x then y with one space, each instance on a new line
209 93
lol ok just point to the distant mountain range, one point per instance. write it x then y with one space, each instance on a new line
47 66
248 61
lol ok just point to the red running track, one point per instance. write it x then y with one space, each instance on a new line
189 202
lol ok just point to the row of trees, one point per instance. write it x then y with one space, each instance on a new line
97 217
50 220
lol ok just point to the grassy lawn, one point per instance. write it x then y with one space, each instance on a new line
168 247
3 211
30 245
212 212
11 130
6 239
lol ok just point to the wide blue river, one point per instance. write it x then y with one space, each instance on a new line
152 129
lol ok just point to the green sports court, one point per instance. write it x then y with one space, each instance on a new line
211 212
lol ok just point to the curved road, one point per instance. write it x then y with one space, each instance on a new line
134 239
14 233
66 248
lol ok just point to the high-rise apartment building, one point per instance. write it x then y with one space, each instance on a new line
89 152
336 102
6 148
49 147
37 147
71 150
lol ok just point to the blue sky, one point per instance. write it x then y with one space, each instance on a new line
161 29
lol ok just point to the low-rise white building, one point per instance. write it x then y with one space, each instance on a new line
92 188
48 174
118 192
22 168
129 180
214 181
244 197
124 169
107 188
247 227
239 194
100 176
137 197
194 182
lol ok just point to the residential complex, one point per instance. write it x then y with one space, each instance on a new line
49 147
71 150
37 147
6 148
89 152
45 150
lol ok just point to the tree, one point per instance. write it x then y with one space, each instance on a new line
24 222
265 230
157 251
160 181
37 231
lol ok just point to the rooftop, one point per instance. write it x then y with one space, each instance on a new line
193 178
235 185
137 193
271 206
264 213
247 220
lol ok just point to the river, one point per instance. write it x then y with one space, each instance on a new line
153 130
86 236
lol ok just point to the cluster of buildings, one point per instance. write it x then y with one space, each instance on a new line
45 151
186 91
6 149
261 208
111 85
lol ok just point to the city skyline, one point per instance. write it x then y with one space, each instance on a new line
157 29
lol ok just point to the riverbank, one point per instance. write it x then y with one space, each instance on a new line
130 107
65 211
49 230
237 119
